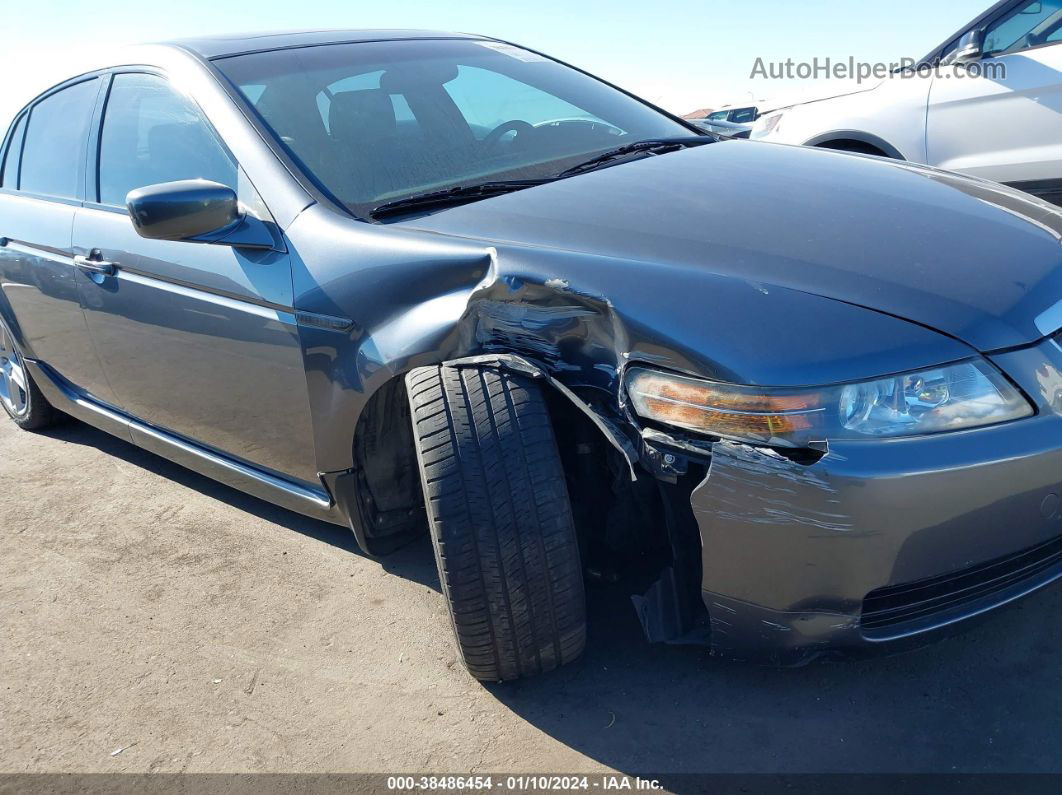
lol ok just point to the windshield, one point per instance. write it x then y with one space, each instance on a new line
374 122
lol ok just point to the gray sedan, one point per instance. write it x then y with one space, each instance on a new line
433 284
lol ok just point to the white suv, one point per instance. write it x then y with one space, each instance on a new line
989 103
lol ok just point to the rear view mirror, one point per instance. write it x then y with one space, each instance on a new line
969 49
197 211
182 210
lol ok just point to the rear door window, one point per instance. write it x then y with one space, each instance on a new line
54 151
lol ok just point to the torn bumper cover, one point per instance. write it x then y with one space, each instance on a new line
870 547
875 544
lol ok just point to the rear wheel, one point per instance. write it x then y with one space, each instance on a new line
500 520
19 396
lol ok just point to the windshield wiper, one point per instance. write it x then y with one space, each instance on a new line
462 194
452 196
652 146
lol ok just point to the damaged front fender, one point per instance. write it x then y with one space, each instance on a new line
520 364
795 538
416 298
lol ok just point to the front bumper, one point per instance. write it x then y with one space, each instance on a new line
934 530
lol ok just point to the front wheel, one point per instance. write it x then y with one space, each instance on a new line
500 520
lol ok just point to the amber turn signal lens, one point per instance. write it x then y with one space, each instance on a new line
724 410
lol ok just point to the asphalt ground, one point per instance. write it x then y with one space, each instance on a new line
154 620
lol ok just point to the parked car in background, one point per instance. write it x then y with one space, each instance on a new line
738 115
1003 124
434 284
734 121
720 127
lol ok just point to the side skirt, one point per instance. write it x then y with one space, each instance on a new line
315 503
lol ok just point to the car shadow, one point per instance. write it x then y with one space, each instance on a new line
414 562
987 700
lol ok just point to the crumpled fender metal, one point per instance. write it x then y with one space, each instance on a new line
575 320
522 364
419 298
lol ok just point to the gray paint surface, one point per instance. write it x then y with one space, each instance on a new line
969 258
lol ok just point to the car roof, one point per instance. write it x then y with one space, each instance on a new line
221 46
236 44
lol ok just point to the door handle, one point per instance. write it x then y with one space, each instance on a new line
90 265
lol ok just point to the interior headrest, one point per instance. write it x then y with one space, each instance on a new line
361 115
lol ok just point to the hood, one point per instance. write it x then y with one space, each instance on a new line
971 259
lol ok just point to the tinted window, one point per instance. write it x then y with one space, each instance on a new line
55 140
253 92
743 115
9 179
152 134
377 121
1021 29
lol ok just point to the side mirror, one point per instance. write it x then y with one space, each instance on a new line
184 210
970 48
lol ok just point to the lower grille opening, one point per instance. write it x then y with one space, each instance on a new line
910 602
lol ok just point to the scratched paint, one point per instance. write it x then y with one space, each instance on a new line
760 486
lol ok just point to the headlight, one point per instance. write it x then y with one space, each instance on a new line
765 125
958 396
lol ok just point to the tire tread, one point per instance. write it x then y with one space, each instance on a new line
500 520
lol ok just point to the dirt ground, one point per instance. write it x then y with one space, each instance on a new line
153 620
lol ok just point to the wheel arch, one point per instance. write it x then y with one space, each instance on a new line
824 140
381 492
9 319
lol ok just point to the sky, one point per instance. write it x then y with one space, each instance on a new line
679 54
